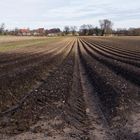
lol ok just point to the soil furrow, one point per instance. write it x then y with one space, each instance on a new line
98 125
21 81
116 102
30 60
75 88
17 54
114 56
123 47
127 71
45 100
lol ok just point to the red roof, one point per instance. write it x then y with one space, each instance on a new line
24 30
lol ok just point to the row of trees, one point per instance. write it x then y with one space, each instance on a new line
84 30
70 30
127 32
89 30
105 29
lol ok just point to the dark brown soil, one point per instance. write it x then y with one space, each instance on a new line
82 89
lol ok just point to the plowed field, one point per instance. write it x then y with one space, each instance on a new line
74 88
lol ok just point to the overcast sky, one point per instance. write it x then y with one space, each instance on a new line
58 13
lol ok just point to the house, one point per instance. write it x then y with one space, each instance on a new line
41 31
24 32
53 32
38 32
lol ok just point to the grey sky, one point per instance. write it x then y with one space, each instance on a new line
58 13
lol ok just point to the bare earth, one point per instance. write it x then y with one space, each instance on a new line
76 88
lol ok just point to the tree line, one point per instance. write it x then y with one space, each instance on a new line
105 29
88 29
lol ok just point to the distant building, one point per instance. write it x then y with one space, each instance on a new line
38 32
41 31
53 32
24 32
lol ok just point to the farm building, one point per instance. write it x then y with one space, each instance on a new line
54 32
24 32
38 32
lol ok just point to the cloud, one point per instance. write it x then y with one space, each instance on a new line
58 13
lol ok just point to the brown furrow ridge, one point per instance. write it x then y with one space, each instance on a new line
120 45
116 56
129 72
25 78
31 60
21 53
117 50
75 110
30 53
71 88
44 103
118 98
99 129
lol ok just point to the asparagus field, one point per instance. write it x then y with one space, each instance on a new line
70 88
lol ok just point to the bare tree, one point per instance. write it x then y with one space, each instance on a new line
66 30
86 30
2 28
16 31
73 30
106 26
90 29
128 32
83 30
